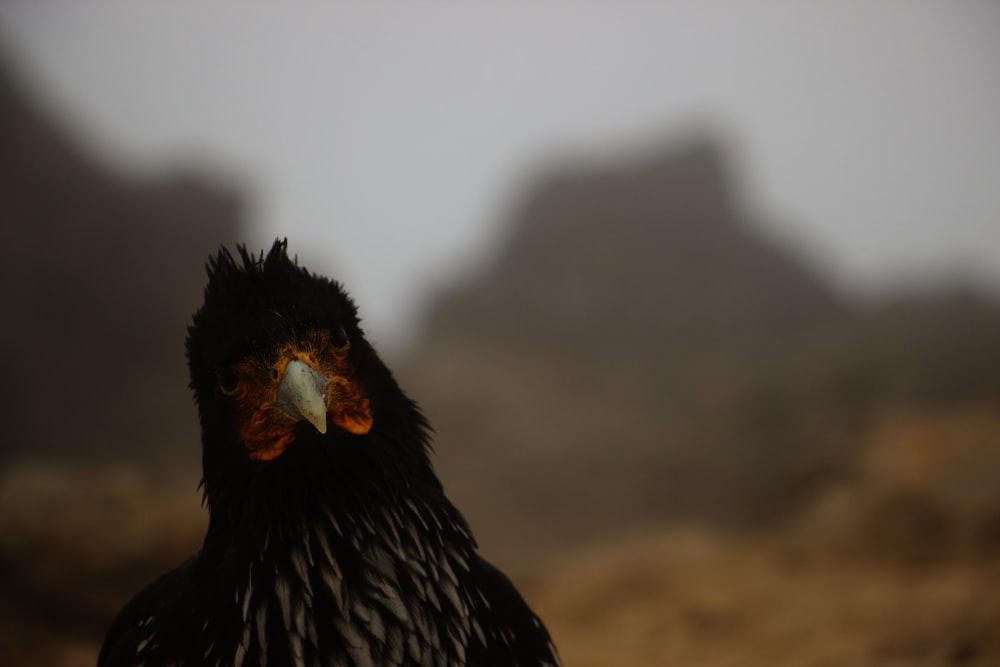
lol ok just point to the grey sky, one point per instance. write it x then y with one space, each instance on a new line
390 142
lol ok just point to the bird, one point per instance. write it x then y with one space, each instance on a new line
330 539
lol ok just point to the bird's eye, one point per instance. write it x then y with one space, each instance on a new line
341 343
229 383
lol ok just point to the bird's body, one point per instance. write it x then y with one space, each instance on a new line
330 540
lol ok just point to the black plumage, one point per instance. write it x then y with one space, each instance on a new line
330 539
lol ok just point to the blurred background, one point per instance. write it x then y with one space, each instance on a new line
702 300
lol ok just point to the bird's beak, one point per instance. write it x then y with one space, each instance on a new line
302 394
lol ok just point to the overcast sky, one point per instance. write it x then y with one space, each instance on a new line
390 142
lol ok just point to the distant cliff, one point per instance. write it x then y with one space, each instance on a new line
639 351
100 272
647 262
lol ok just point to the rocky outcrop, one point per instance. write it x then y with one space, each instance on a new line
639 351
101 271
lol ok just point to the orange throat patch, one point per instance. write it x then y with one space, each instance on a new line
265 428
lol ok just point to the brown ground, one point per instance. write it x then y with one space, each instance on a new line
899 566
690 598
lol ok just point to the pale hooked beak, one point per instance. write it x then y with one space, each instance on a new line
302 394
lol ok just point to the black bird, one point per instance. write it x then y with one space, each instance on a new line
330 538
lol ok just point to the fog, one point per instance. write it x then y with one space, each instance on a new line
395 141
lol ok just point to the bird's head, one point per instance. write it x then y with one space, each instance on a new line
278 361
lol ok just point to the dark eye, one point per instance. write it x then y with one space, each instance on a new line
229 383
339 340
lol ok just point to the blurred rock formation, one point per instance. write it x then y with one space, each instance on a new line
101 272
640 351
628 266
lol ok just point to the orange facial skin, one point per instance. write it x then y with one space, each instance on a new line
265 428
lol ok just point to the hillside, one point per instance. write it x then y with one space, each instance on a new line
639 352
101 272
649 262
